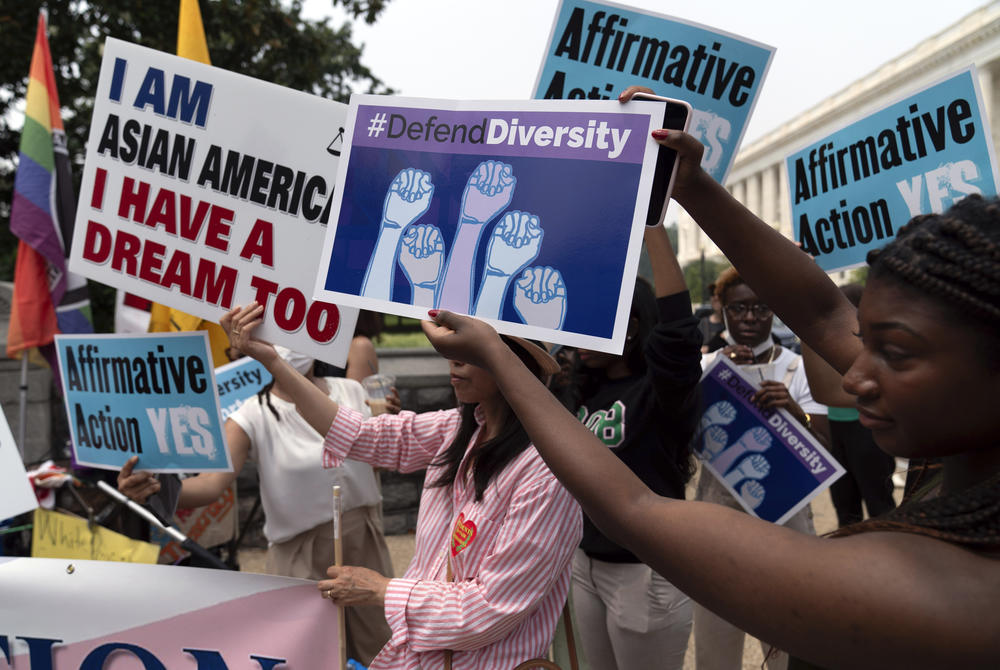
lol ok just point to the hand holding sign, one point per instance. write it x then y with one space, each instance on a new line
136 485
239 324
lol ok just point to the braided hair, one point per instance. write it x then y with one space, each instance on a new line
953 259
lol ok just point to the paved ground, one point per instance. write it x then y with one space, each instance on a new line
401 548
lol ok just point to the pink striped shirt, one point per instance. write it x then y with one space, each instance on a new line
510 553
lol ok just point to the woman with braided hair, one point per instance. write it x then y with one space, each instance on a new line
917 588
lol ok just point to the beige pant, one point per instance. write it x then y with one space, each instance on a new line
309 554
628 616
718 644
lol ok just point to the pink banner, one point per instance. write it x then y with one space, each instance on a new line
92 615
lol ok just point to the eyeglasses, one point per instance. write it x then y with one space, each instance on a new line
738 310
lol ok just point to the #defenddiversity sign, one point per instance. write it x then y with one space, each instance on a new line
766 459
204 189
527 214
597 49
853 190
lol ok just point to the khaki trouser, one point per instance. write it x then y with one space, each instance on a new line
309 554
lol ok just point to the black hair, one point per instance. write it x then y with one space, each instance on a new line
264 396
486 459
953 258
369 324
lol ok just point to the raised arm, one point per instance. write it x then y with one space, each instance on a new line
780 273
315 406
668 278
868 600
825 383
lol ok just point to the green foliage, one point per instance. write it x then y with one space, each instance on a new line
266 39
699 274
858 275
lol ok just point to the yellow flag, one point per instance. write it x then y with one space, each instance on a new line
191 44
191 33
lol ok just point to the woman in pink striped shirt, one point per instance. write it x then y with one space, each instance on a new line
495 533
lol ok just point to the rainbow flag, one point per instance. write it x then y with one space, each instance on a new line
48 299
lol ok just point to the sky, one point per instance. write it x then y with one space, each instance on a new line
491 49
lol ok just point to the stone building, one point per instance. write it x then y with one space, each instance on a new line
759 179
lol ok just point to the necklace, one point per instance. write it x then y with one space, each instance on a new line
770 356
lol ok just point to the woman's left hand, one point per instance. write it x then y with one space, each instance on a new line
352 585
774 395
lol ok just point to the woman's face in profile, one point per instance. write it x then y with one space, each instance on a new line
923 384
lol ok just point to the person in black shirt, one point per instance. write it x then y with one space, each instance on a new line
642 405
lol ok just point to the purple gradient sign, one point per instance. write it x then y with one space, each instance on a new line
765 459
526 214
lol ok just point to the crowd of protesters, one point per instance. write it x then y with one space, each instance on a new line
909 368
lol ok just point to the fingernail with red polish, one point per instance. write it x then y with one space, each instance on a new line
433 313
661 134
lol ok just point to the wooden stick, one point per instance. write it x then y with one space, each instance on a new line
338 560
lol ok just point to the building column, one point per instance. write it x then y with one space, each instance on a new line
753 193
769 195
784 222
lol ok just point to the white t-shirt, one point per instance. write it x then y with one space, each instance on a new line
295 489
777 370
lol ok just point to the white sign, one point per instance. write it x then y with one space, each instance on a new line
16 495
204 189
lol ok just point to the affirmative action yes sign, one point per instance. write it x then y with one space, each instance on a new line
151 396
853 190
597 49
204 189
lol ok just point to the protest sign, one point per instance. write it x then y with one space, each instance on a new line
598 49
151 395
160 616
765 458
238 382
528 214
204 189
58 535
852 191
16 495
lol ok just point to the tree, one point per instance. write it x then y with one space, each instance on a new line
266 39
699 274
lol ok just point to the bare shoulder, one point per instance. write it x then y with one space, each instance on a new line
362 346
